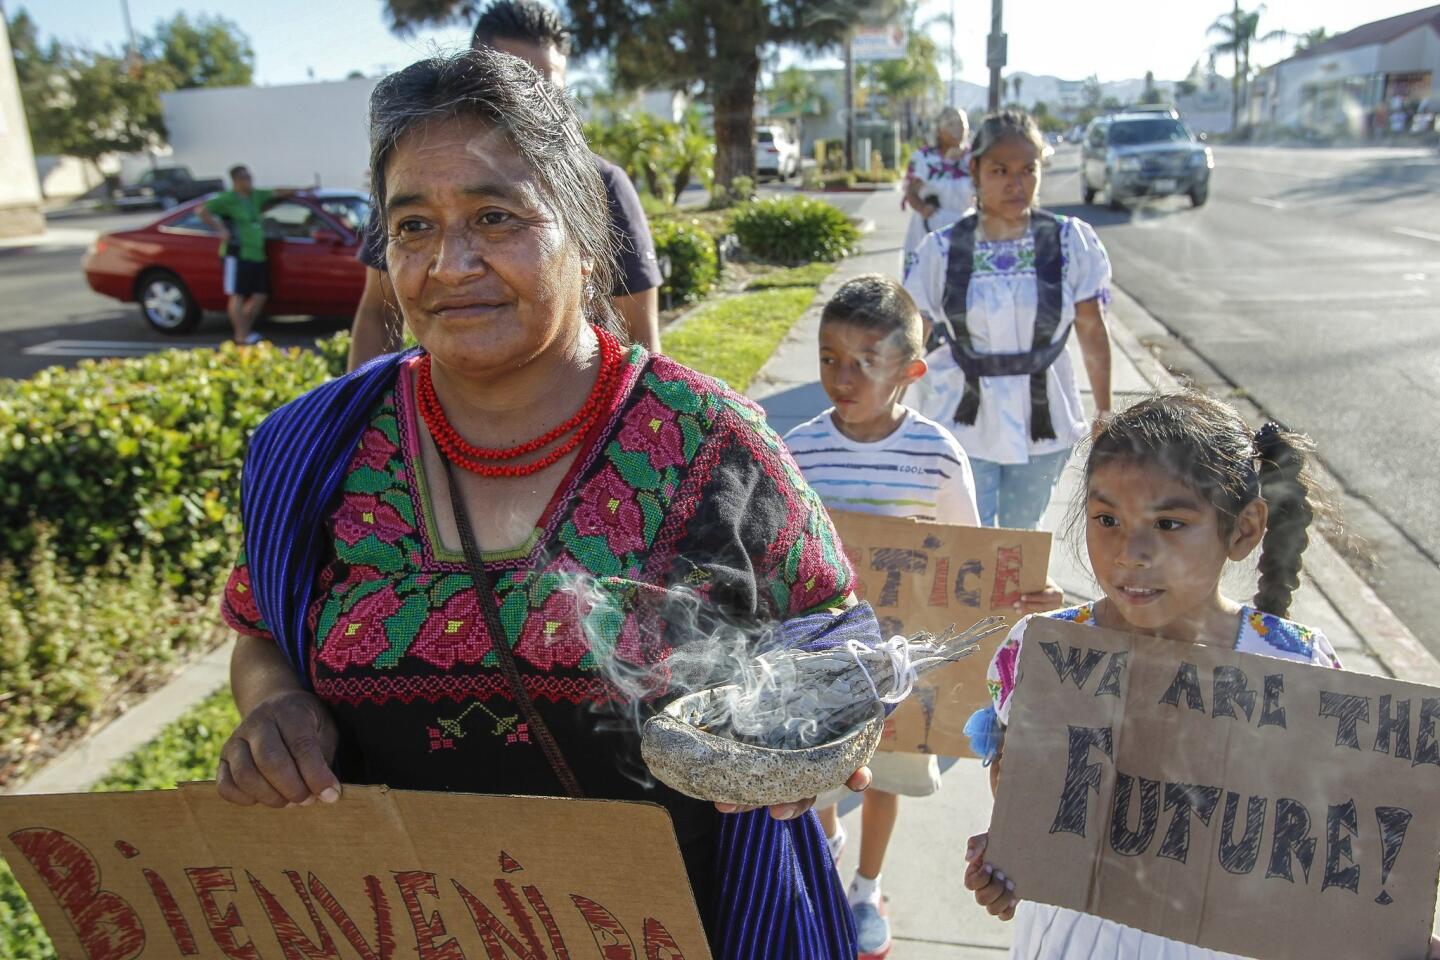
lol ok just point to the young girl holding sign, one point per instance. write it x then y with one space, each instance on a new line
1174 487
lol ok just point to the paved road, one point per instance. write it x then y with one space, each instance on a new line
1311 280
44 299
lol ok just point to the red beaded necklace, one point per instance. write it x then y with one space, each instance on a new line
489 462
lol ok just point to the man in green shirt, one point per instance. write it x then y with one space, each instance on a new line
237 215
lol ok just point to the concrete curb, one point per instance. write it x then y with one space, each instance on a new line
80 767
1394 645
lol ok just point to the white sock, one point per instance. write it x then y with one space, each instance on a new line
836 842
865 889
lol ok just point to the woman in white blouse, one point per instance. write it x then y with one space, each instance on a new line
1002 289
937 181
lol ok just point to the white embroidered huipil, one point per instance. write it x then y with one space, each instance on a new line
1001 307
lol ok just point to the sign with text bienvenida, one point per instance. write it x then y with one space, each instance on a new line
1247 804
380 875
932 577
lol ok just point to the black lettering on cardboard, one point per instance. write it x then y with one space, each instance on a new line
1341 817
1393 821
1081 777
1114 670
1292 835
1427 748
1231 687
1123 840
1396 726
1186 798
1239 857
1272 713
894 561
1346 709
966 596
1072 667
1187 679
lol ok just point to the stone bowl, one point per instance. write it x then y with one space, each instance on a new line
709 766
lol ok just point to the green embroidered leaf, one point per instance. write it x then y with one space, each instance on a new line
368 480
329 613
692 434
791 567
400 628
592 552
674 394
650 507
371 551
446 585
400 500
513 611
388 425
780 592
633 466
360 591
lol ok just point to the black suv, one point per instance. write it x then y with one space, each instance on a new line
1129 155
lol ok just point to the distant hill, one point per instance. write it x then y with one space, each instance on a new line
1035 89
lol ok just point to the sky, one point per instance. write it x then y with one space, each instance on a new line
295 40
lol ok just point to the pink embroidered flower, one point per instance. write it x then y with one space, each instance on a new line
552 636
241 598
521 735
361 514
453 634
375 451
438 741
354 576
1005 662
608 509
651 428
358 637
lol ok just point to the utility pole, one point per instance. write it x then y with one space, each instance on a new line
995 53
132 53
951 99
850 101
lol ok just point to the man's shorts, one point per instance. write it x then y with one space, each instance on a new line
908 774
245 278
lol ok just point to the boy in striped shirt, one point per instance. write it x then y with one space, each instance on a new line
869 453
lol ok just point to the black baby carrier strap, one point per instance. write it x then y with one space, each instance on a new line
1045 349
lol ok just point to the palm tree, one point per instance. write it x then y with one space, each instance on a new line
1238 30
908 84
1311 39
1015 83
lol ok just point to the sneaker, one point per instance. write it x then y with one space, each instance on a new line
872 929
836 845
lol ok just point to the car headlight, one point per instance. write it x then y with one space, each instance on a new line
1202 158
1128 163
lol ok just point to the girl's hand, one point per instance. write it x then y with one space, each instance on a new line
859 781
1051 598
992 889
280 754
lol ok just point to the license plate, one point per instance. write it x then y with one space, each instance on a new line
1164 186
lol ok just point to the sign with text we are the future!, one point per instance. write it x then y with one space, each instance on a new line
933 577
1247 804
380 875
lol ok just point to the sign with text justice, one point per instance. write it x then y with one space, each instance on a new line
929 576
1256 806
380 875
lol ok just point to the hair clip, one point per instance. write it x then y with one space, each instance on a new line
1269 432
542 90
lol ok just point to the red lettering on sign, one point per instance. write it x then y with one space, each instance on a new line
659 945
494 934
940 586
428 930
1007 578
384 947
109 929
170 910
206 882
609 933
547 920
295 944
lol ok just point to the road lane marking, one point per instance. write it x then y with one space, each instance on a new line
1418 234
1267 202
93 348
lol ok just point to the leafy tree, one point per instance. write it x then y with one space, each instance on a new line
1311 39
797 91
664 157
1238 30
677 44
206 52
37 68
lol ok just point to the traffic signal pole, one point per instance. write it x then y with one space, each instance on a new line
995 53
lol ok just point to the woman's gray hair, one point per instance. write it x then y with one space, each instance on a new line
540 123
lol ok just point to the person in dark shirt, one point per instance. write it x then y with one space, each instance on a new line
533 32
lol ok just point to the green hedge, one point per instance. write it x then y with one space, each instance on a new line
694 266
793 230
141 455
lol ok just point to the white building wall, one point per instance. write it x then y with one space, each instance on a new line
19 186
1294 76
289 136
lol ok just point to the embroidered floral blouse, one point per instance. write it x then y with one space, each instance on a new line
682 485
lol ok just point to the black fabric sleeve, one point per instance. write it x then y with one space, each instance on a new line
634 249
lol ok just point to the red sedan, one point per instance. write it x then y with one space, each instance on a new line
172 267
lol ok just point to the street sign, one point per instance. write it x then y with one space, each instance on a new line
998 46
878 43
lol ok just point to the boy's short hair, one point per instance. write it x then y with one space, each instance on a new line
238 169
528 21
875 302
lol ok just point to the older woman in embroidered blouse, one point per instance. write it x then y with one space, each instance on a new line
938 187
381 644
1031 279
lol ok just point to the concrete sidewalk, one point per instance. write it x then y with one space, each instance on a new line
932 916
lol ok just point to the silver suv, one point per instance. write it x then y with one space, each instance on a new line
1129 155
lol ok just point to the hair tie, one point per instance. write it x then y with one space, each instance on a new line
1268 434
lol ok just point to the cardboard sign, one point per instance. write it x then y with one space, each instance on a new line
1251 805
381 874
928 576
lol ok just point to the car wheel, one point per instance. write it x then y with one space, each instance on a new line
1112 199
166 303
168 202
1199 194
1087 192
